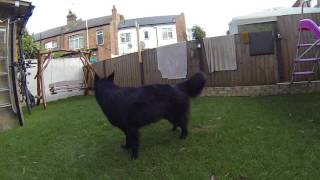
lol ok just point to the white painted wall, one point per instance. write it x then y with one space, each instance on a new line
190 34
124 47
64 69
151 42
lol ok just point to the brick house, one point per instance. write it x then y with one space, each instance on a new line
102 34
153 32
99 34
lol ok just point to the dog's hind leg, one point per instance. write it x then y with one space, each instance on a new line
133 137
184 126
173 121
174 128
184 131
126 146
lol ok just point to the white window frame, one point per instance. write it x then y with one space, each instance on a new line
54 44
146 33
76 42
167 33
99 33
125 37
51 45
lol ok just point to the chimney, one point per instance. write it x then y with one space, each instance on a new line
114 31
114 12
71 18
181 28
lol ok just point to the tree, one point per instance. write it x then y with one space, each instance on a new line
198 33
29 47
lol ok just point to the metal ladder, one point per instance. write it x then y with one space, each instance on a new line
299 60
309 26
302 51
7 100
10 107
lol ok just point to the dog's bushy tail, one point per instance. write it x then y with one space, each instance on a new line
194 85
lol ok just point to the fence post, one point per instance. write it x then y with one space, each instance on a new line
142 73
139 54
39 65
104 69
200 45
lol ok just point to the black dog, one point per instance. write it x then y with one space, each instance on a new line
132 108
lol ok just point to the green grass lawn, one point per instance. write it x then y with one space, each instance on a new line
230 138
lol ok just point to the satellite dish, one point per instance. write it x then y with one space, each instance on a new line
142 44
129 46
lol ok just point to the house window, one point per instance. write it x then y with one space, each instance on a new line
100 39
76 42
146 35
51 45
54 44
125 37
167 33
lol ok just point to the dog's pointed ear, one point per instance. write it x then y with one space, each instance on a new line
111 76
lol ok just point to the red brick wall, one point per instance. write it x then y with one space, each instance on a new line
57 39
114 31
106 50
103 50
181 28
114 35
66 38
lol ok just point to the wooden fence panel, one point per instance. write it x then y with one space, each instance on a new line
151 73
99 68
126 68
252 70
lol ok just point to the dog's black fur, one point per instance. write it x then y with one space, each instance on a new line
132 108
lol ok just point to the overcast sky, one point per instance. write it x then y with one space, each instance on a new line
212 15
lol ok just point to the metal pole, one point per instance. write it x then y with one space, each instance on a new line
139 54
157 35
303 4
87 34
138 42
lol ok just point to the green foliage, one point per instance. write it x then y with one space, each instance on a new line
198 32
58 54
29 47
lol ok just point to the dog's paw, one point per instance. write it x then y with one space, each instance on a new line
134 153
134 156
183 136
124 146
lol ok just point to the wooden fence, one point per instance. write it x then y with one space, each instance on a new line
251 70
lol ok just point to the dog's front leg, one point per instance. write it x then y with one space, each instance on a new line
184 132
133 135
183 126
174 128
